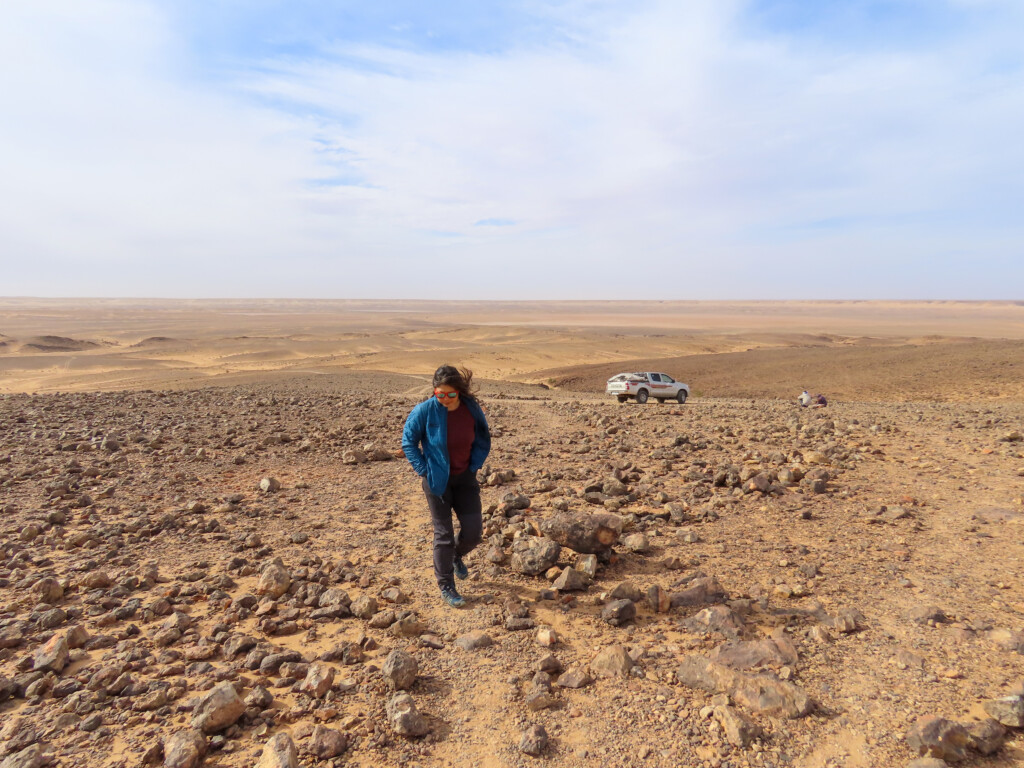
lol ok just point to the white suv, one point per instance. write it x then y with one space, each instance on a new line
643 386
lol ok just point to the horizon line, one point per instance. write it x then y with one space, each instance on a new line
889 300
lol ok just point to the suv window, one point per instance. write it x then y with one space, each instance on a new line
667 379
655 377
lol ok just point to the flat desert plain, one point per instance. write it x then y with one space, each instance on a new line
213 552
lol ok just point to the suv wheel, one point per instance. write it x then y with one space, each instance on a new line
681 396
641 396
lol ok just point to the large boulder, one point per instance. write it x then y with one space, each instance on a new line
986 736
318 681
399 670
932 736
29 757
274 581
279 752
533 555
405 719
533 741
52 656
327 742
702 591
739 729
758 693
471 641
613 661
570 580
48 590
185 749
584 533
619 612
751 654
220 708
1008 710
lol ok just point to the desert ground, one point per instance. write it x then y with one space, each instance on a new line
213 551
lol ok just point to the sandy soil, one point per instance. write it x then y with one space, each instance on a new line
875 545
81 345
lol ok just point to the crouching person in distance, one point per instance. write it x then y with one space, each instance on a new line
446 439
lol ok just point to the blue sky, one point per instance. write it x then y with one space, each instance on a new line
707 149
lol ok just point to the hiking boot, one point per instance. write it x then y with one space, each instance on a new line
451 596
461 571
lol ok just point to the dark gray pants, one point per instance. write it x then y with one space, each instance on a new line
462 496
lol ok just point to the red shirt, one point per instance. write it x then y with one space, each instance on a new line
461 433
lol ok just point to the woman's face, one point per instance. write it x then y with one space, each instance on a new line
444 393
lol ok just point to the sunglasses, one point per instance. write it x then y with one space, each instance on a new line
443 395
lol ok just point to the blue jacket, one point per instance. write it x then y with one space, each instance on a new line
427 426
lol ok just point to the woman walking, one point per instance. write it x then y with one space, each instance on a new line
446 439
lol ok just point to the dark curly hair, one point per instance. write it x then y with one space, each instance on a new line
459 379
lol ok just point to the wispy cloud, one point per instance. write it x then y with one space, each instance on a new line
211 149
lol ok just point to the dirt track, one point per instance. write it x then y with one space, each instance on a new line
959 371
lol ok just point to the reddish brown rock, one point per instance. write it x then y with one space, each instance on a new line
758 693
933 736
587 534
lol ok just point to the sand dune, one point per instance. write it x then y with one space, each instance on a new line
724 348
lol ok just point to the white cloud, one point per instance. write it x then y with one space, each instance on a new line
112 162
640 154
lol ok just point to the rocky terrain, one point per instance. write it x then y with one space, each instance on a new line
241 576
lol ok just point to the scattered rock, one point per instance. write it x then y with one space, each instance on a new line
574 678
327 742
933 736
758 693
185 749
405 719
613 661
220 708
319 680
473 640
533 740
29 757
364 607
658 599
625 590
279 752
618 612
702 591
546 636
587 534
752 654
1008 711
274 581
637 542
400 670
927 762
985 737
533 555
52 656
587 565
739 729
570 580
